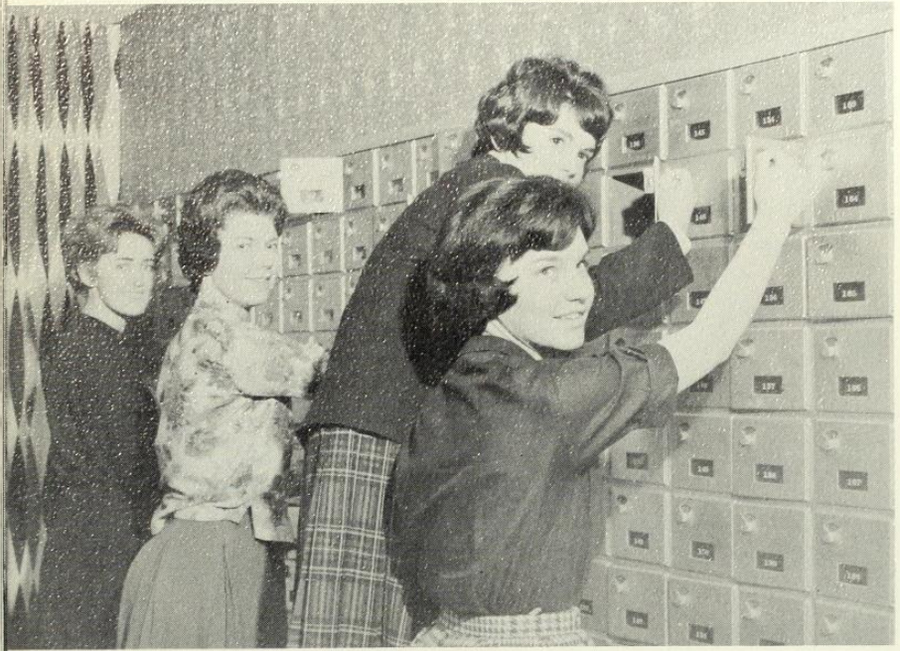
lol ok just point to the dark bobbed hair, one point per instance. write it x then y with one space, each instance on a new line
206 208
497 220
96 232
533 91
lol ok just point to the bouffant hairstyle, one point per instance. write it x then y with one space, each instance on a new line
96 231
208 205
497 220
533 91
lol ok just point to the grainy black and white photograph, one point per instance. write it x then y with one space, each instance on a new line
447 324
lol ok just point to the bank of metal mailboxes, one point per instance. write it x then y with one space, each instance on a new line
858 184
853 462
852 366
395 172
426 162
849 273
771 544
637 604
296 253
853 555
770 368
700 542
708 259
594 598
769 617
634 134
698 112
636 524
296 306
700 452
843 623
712 390
359 179
357 232
640 456
849 84
785 295
767 99
700 612
770 457
327 244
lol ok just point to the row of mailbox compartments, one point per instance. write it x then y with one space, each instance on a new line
835 88
625 602
838 461
841 273
858 187
859 190
841 553
840 366
843 86
776 366
381 176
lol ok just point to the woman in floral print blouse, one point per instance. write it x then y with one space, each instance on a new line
211 575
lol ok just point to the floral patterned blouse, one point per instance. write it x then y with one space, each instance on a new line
224 440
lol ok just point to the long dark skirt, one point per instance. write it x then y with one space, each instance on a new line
90 544
203 585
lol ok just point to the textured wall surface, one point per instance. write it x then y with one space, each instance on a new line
209 87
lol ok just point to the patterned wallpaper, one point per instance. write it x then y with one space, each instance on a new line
61 153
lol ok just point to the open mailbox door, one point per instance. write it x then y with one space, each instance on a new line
754 145
629 204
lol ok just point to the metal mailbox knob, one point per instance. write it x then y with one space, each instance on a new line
752 610
825 69
824 253
680 598
744 348
829 625
830 347
748 436
830 441
680 100
831 533
748 83
748 523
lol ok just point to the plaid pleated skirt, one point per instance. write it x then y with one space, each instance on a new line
347 594
542 629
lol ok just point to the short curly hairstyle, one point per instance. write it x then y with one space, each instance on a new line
497 220
206 208
533 91
96 231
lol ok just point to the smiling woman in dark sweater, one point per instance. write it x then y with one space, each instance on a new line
101 480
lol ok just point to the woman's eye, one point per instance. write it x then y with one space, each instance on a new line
243 246
271 246
556 140
547 271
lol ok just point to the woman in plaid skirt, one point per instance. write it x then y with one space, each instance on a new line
493 511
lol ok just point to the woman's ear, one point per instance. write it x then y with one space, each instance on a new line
87 273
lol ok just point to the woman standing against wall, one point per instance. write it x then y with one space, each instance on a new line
101 479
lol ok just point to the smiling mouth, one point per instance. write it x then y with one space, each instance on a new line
573 316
